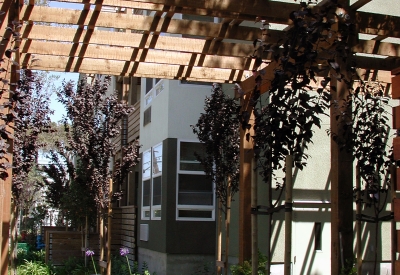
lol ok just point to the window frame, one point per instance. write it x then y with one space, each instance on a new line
191 207
155 175
145 209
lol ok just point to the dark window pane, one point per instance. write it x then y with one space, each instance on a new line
188 160
157 191
195 190
194 214
317 236
146 193
147 116
149 84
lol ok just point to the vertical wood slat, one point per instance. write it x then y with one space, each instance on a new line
397 178
395 267
398 241
396 86
396 148
396 117
396 203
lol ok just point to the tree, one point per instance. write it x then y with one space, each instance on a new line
91 122
367 131
32 117
218 130
286 116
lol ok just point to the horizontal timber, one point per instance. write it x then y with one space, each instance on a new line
140 23
135 40
112 67
136 55
274 11
271 11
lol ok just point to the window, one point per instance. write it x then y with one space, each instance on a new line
152 183
157 186
317 236
146 178
196 83
147 116
149 85
154 86
195 191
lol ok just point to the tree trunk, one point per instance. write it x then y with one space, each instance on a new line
109 221
86 244
227 225
219 238
101 225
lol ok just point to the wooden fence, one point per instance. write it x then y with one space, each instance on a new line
124 229
60 245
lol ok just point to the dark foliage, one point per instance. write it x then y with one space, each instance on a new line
218 130
284 123
32 117
366 130
91 122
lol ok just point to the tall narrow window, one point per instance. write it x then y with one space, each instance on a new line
156 175
317 236
147 116
146 187
152 183
195 191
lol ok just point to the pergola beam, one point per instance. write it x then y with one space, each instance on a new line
359 4
275 11
123 68
138 55
377 47
142 23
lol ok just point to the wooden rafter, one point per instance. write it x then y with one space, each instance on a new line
123 68
142 23
82 36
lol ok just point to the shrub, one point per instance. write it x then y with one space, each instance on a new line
73 266
34 268
245 268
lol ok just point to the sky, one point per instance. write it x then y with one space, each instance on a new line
58 108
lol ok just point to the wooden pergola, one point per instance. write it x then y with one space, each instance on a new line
193 40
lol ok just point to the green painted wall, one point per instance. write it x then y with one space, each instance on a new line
169 235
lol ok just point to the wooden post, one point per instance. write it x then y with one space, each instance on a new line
254 219
109 221
393 179
13 237
5 186
246 155
341 171
288 215
394 174
358 222
341 193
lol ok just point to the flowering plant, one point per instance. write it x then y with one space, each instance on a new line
124 251
90 253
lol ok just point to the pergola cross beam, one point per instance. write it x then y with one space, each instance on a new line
195 47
